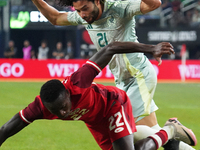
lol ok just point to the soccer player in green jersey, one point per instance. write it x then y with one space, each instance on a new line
114 21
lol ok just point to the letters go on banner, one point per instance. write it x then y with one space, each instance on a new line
43 69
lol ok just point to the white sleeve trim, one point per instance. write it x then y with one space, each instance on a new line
126 122
22 116
91 63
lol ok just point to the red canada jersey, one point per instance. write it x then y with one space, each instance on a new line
106 110
90 101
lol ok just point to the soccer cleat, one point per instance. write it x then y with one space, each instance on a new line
182 133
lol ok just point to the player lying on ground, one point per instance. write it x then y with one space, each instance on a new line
106 110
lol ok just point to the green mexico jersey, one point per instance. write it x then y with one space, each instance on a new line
117 23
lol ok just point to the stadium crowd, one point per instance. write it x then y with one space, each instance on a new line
42 52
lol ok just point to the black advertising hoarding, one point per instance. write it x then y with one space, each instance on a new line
175 36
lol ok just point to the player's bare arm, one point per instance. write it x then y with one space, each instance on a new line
53 15
103 57
160 49
13 126
149 5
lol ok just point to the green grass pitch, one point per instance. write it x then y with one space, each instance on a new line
180 100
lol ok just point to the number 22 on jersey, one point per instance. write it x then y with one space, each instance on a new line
116 122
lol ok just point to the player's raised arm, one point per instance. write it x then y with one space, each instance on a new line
13 126
149 5
53 15
103 56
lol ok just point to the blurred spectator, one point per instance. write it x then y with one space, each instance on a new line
18 2
87 51
11 50
197 55
58 53
166 4
92 50
198 5
176 5
178 18
43 51
28 52
165 14
195 19
84 51
69 50
188 17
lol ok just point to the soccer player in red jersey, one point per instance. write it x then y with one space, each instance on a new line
106 110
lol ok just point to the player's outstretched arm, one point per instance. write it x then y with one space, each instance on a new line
149 5
13 126
53 15
103 56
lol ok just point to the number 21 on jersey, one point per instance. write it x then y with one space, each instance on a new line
102 39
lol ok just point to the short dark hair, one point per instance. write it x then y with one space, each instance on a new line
51 90
70 2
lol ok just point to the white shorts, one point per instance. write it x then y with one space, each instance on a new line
140 90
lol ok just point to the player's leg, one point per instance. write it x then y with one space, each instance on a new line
173 129
121 125
181 132
145 144
124 143
160 136
140 92
152 142
178 145
149 120
135 90
156 140
143 132
172 144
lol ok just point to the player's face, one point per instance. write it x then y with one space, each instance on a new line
87 10
62 105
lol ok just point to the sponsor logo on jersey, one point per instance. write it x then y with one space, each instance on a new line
120 129
89 26
78 113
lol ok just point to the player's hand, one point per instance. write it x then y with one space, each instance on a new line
160 49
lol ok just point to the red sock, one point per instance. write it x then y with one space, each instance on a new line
159 138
